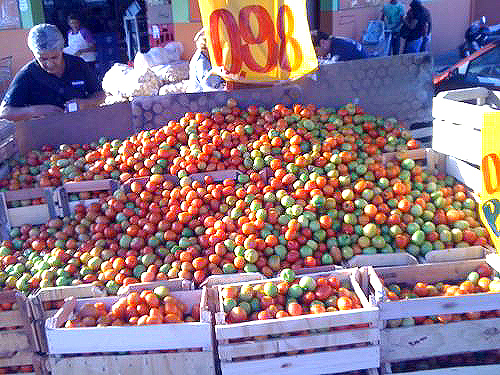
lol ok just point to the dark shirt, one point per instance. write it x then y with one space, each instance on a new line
346 49
33 86
427 19
418 31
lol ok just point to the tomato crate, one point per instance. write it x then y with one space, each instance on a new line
71 194
16 335
45 303
174 348
445 331
17 207
330 342
458 121
437 162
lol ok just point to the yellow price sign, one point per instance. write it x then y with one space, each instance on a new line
258 40
489 209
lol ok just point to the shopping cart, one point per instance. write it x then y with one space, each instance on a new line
5 74
376 40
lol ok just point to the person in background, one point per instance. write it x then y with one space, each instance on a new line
392 15
201 76
52 82
414 22
426 39
339 49
80 41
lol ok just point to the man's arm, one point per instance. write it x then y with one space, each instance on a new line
94 100
31 112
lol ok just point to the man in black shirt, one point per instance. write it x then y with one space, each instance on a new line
342 49
52 82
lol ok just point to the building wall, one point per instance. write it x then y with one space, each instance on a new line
13 43
488 8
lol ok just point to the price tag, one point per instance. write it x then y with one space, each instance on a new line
258 40
489 209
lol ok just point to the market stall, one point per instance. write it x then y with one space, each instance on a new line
298 228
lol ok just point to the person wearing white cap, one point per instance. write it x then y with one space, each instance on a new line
201 75
52 82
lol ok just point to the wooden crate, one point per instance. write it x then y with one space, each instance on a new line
16 336
45 303
66 207
32 214
183 348
265 346
457 122
439 163
422 341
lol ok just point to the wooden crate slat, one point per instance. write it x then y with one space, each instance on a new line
186 363
455 254
17 359
287 344
465 173
11 318
439 305
37 214
94 185
313 363
463 370
132 338
399 344
295 324
466 144
14 340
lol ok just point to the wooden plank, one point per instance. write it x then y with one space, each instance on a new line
15 340
294 324
327 362
129 338
455 254
36 214
288 344
172 285
463 370
415 342
460 141
11 318
94 185
215 280
382 260
466 173
18 359
218 176
460 113
186 363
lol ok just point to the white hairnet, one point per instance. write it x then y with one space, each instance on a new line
45 37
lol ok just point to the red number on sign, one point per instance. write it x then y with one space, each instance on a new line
266 34
241 52
286 37
486 172
234 40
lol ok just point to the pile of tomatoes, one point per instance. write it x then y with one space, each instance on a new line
324 198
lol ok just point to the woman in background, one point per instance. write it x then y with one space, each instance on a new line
80 41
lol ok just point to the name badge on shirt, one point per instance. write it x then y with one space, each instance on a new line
77 84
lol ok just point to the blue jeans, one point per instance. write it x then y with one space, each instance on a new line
426 41
412 46
395 43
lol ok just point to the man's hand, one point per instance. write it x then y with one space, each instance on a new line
42 110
